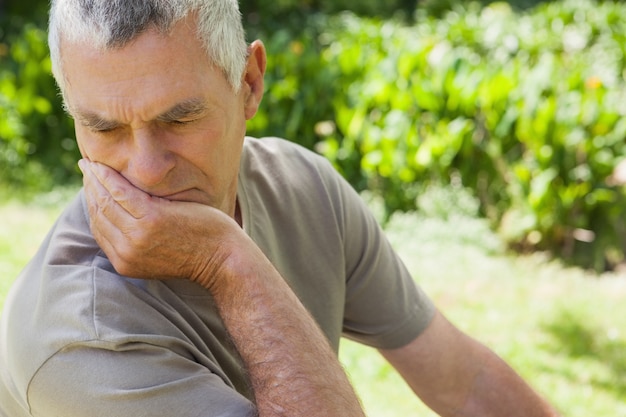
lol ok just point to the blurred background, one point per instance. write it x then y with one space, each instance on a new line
488 138
520 102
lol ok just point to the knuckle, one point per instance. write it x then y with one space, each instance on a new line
140 239
117 192
103 204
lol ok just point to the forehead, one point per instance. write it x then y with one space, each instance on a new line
155 69
181 42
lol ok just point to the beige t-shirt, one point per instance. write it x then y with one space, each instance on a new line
78 339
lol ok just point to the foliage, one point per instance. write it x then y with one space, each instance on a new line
36 149
30 10
268 13
525 108
290 109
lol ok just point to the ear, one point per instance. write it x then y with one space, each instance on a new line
252 82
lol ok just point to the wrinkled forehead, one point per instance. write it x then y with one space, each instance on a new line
152 71
149 52
93 43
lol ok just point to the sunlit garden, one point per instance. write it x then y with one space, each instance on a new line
486 137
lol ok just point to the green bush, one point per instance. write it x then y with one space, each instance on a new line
525 108
532 122
37 149
282 13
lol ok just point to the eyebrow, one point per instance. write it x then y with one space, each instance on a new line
94 121
187 109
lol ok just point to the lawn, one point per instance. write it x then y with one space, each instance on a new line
562 329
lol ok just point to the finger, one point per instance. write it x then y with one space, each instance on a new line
95 193
135 201
110 223
100 202
106 216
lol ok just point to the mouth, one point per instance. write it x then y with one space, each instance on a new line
190 196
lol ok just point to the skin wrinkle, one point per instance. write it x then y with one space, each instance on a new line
212 114
181 114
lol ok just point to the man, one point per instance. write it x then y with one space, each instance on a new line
203 273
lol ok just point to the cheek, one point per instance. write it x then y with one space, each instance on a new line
83 142
98 150
82 150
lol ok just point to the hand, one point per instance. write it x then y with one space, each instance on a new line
151 237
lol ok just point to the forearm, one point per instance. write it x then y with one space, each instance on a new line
293 370
497 390
459 377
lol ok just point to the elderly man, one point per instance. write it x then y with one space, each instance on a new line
203 273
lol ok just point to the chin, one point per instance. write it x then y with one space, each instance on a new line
189 196
200 197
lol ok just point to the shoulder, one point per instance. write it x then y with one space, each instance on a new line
287 165
272 154
291 182
272 145
67 295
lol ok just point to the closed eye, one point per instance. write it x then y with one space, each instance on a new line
180 122
99 125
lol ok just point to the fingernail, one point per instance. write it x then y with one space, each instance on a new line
82 165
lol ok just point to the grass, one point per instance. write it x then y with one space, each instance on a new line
561 328
22 229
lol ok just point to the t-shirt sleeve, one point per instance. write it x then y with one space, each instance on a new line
322 237
136 380
384 307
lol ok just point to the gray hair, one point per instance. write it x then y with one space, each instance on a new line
110 24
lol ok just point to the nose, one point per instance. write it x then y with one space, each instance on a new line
150 161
